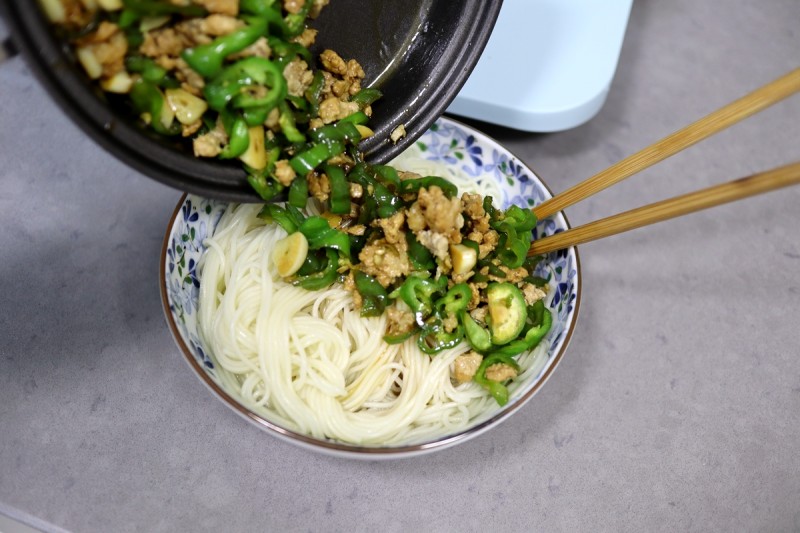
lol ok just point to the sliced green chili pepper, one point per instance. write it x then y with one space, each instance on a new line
512 248
533 336
489 208
386 203
295 22
477 336
288 217
434 337
286 27
266 189
242 85
321 235
340 190
373 295
514 226
421 258
148 98
518 218
498 390
357 118
506 311
207 59
418 293
366 96
298 192
323 278
136 9
412 186
388 174
255 116
134 37
313 93
309 159
315 262
238 136
454 301
148 68
532 262
288 125
400 337
536 280
284 52
340 131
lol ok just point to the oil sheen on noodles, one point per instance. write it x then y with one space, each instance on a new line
307 361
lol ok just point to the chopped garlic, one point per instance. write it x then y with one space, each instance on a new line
398 133
89 62
54 11
364 131
119 83
464 258
290 253
187 107
256 154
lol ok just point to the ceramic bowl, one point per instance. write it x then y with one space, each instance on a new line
447 142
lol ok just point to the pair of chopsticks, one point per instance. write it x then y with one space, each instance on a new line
715 122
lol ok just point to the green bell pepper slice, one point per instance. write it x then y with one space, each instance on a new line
478 337
148 98
238 136
434 338
533 336
373 295
233 84
340 190
207 59
412 186
320 235
322 278
417 293
454 301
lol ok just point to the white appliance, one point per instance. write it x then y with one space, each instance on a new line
548 64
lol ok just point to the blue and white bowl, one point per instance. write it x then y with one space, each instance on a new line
447 142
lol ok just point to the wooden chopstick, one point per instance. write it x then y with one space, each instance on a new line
720 119
671 208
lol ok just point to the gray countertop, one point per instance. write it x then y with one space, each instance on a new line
676 407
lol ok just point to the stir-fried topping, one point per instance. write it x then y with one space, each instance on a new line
445 269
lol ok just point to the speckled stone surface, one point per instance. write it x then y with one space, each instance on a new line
676 408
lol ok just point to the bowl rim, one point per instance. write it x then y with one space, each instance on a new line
354 450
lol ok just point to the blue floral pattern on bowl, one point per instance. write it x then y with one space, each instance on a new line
446 141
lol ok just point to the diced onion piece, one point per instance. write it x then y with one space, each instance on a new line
290 253
364 131
89 62
464 258
119 83
187 107
256 154
147 23
90 5
54 10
